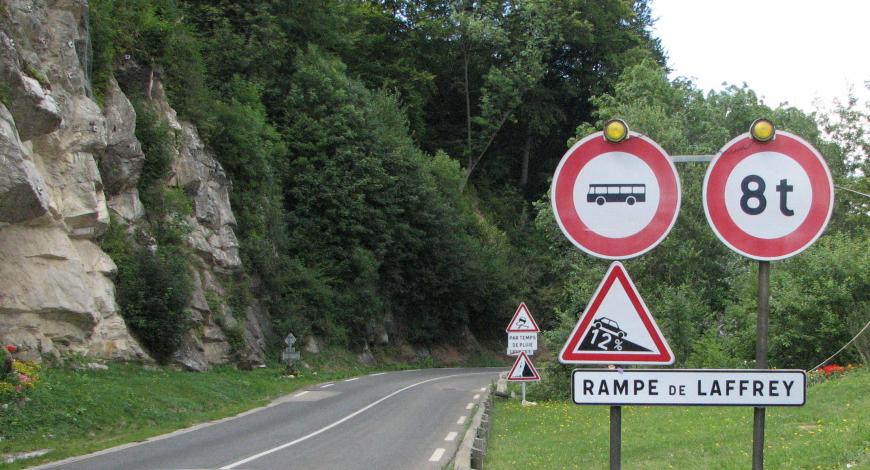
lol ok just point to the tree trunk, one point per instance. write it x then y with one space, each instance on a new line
527 151
467 107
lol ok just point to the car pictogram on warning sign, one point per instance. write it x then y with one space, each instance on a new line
609 326
616 327
606 329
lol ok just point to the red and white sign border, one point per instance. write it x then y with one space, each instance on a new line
735 238
600 246
520 308
523 355
662 355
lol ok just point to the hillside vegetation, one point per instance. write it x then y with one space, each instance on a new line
369 147
390 162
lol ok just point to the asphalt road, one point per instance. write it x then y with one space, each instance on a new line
395 420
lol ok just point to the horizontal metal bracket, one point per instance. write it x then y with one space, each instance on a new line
691 158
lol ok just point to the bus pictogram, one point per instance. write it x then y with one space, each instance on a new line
628 193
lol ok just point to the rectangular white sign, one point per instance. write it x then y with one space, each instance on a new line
714 387
522 342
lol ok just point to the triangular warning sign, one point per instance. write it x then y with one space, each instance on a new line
522 322
617 327
523 370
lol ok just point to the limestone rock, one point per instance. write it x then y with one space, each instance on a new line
258 332
64 164
191 354
312 345
23 193
121 163
75 183
41 272
127 206
204 180
57 296
365 357
32 106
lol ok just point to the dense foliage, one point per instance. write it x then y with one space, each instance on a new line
385 156
152 290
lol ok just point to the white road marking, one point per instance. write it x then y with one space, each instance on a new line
327 385
461 420
451 436
469 406
476 396
379 373
436 456
351 380
330 426
300 394
482 389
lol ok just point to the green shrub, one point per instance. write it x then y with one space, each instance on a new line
158 144
152 291
168 209
34 72
154 34
5 94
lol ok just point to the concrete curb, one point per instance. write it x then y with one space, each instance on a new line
472 450
473 447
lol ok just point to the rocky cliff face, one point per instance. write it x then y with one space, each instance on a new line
65 166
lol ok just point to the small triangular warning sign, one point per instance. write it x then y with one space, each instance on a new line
522 322
617 327
524 370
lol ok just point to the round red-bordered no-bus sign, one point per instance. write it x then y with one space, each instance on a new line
615 200
768 200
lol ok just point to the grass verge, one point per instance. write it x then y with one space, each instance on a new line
831 431
75 412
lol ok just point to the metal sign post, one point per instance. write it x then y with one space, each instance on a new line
615 437
610 217
761 360
768 195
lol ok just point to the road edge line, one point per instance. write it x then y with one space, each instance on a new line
336 423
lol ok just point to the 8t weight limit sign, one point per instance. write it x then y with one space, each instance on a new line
756 194
768 200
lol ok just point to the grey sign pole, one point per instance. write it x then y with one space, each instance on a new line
615 437
761 360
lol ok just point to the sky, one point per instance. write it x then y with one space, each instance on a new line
802 52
